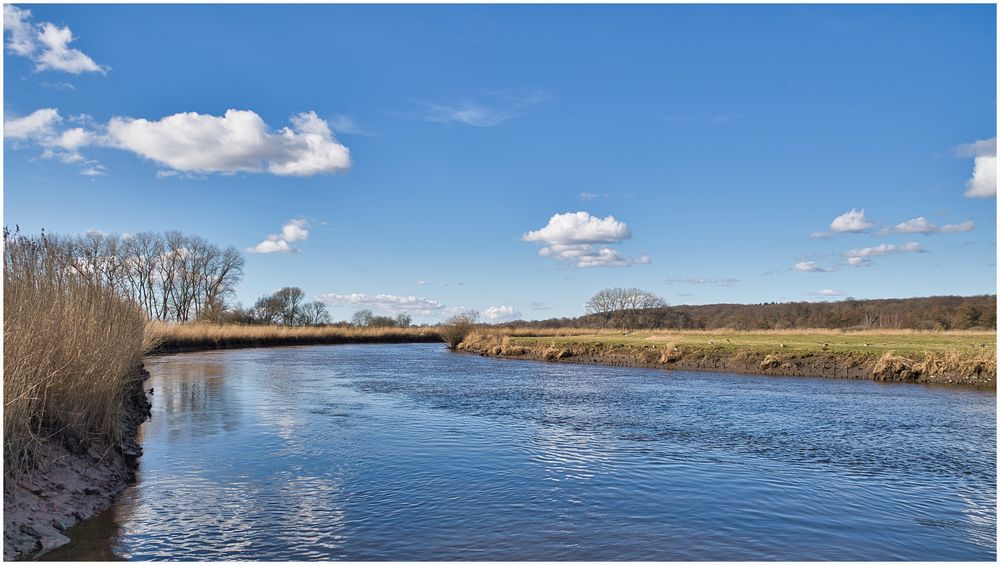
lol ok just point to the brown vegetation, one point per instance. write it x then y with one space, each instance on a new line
962 357
72 349
456 328
168 337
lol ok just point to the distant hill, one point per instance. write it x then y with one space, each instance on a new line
927 313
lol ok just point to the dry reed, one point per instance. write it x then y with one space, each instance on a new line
72 348
167 337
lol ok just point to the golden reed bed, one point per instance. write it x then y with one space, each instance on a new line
164 337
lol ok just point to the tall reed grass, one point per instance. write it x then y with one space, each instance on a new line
166 337
72 349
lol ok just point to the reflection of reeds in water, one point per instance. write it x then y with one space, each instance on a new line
71 348
175 337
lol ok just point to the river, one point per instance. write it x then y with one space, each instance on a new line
410 452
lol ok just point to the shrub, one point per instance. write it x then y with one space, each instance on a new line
457 328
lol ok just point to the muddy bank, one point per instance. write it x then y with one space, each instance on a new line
72 481
944 370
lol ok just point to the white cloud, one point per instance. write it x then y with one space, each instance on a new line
585 196
46 44
977 148
414 305
293 230
239 141
605 257
701 280
923 226
500 313
884 249
39 124
507 106
580 228
859 261
983 183
421 282
573 237
73 139
850 222
40 127
341 123
94 171
468 113
272 246
827 292
811 267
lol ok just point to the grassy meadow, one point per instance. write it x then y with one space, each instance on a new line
874 342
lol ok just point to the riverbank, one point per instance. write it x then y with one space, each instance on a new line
71 481
947 358
177 338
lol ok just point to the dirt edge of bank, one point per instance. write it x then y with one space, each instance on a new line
70 485
886 368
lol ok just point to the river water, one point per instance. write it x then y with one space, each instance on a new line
409 452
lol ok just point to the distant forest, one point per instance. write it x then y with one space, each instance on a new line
930 313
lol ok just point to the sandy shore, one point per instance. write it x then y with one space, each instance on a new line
73 481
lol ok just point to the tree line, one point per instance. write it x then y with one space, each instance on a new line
172 276
925 313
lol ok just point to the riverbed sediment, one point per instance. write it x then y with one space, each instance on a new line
72 479
978 372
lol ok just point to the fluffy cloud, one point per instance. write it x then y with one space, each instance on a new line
811 267
883 250
414 305
501 313
46 44
37 125
827 292
580 227
924 226
293 230
574 237
983 183
850 222
41 127
238 141
701 280
859 261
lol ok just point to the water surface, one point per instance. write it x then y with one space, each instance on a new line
409 452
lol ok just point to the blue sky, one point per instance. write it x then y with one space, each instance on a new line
517 159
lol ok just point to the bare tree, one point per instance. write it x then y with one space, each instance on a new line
314 314
618 305
403 320
290 298
362 318
267 310
612 300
